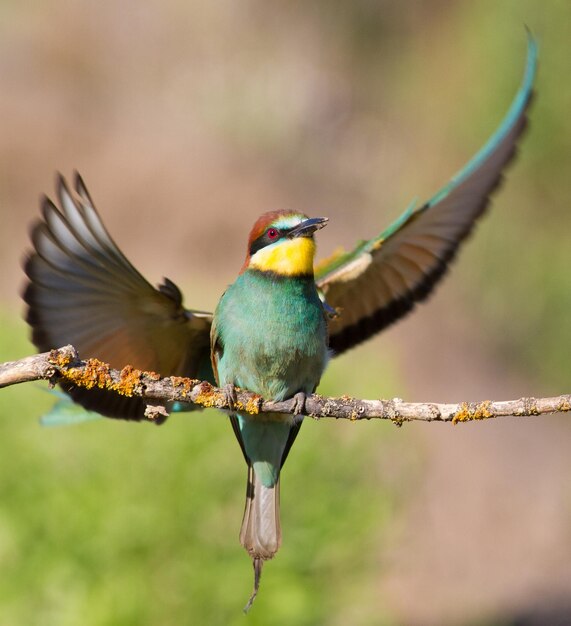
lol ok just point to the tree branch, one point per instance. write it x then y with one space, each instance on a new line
65 365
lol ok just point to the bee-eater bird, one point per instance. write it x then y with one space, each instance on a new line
270 333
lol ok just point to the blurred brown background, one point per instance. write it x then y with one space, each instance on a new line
187 120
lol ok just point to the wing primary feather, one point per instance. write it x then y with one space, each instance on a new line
83 290
377 283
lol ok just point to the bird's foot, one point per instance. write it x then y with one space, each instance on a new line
298 403
230 395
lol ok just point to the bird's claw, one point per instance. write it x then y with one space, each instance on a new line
230 395
298 403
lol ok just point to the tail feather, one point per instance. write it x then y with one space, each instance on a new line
261 533
257 563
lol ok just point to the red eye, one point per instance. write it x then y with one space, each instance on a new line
272 233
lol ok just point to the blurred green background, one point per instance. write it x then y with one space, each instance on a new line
187 120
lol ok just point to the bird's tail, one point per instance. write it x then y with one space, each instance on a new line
261 533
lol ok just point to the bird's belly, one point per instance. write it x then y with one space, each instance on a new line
280 377
276 365
273 336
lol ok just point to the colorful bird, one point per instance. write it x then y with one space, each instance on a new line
269 335
272 332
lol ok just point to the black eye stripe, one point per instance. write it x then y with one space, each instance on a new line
265 240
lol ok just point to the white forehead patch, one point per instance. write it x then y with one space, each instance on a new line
289 221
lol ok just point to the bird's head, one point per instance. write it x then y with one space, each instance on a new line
282 242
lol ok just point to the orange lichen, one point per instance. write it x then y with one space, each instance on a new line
483 411
130 380
252 406
469 412
185 383
95 373
463 414
60 359
207 397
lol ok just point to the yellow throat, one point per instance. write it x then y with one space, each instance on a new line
288 257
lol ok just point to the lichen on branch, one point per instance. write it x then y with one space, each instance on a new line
65 365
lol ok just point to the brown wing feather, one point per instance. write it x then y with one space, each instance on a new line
82 290
383 279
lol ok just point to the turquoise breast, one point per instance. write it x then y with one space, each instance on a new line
273 335
272 340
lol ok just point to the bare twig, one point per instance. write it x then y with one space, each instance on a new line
64 364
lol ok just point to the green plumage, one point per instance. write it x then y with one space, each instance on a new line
271 339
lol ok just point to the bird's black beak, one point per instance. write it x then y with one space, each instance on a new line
308 227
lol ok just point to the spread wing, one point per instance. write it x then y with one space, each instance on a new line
82 290
382 279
